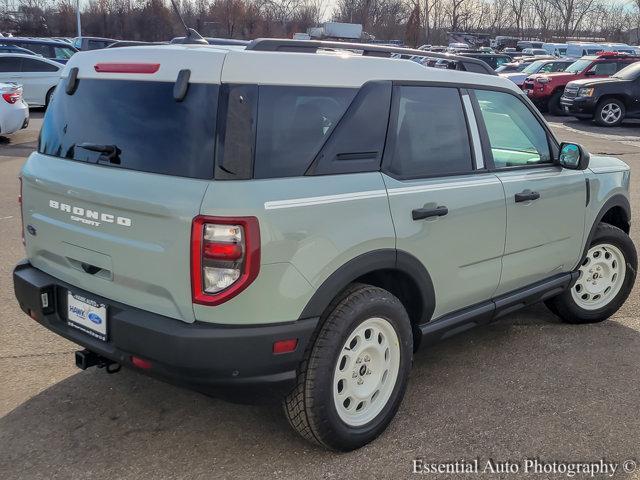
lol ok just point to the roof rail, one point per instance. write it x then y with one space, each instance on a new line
372 50
607 54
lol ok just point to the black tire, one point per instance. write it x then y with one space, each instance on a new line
565 307
609 103
310 407
554 104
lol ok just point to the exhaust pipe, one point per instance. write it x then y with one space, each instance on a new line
86 359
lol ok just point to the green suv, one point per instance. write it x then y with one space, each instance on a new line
295 218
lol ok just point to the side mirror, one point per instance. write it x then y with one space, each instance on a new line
573 156
589 73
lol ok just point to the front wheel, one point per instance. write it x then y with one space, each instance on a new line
610 113
353 379
606 277
555 108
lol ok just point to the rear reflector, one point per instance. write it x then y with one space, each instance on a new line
141 363
127 67
21 213
285 346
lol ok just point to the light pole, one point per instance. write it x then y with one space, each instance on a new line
78 18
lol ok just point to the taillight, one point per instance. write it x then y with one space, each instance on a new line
12 97
225 257
21 214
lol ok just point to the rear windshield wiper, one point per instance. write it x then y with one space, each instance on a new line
110 153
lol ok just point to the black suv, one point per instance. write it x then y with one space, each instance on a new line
607 100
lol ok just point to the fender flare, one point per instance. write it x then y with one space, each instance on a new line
382 259
617 200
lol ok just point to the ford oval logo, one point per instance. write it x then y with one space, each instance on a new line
95 318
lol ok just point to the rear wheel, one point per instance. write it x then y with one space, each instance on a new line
606 277
49 97
355 374
554 104
610 112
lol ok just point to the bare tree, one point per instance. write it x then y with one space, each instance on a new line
572 13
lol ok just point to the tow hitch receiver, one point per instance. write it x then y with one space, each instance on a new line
87 358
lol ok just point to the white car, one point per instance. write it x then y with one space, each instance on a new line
14 112
38 76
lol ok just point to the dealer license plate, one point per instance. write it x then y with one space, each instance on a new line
87 315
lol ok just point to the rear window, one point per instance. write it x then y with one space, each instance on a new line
151 130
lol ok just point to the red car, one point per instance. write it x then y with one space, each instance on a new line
545 89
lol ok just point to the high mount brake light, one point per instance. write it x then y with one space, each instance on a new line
225 257
126 67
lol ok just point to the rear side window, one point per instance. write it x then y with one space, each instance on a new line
293 124
604 68
10 64
428 133
151 131
97 44
33 65
39 48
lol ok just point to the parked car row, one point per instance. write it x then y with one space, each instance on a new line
50 49
604 87
546 89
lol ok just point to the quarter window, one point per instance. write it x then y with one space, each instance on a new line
293 124
429 135
516 136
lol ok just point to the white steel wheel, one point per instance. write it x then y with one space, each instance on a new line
366 371
602 274
611 113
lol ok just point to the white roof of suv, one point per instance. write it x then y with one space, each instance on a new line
213 64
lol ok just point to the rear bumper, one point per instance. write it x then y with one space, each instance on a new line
14 118
215 359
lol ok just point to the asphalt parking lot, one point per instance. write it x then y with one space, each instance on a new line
525 387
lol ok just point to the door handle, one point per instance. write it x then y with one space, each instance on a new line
422 213
527 195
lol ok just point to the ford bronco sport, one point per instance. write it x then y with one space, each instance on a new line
545 89
299 219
